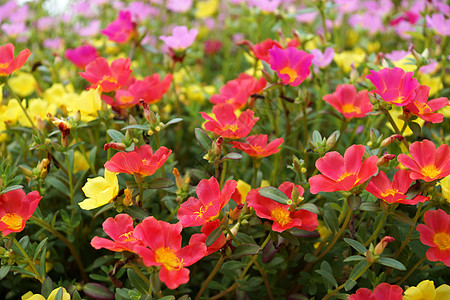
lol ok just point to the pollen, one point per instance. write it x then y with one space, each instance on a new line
168 258
442 240
343 176
389 192
291 72
257 148
127 237
430 171
13 220
350 108
4 65
281 215
230 127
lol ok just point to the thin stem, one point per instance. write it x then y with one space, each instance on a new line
69 173
227 229
391 120
29 261
322 17
210 277
266 281
405 242
412 270
140 274
72 250
21 106
255 176
223 174
158 145
377 230
341 132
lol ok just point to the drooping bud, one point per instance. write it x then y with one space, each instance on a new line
148 114
43 167
385 159
379 248
116 146
63 126
217 146
389 140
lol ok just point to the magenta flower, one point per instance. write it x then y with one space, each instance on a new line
181 38
320 59
180 6
394 85
424 109
291 65
121 30
439 24
82 56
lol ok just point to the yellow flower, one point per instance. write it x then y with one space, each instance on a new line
100 190
23 84
10 113
3 135
205 9
426 290
435 83
312 43
60 95
395 113
79 162
445 186
252 71
31 296
88 103
373 47
197 93
345 59
405 63
37 109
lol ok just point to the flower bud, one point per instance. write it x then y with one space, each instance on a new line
369 256
331 141
385 159
389 140
127 199
178 180
217 146
379 248
116 146
148 114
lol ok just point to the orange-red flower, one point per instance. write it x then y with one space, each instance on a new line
257 146
283 218
348 102
16 208
206 231
383 291
424 109
394 85
261 50
343 173
8 63
427 162
211 200
226 124
121 230
436 234
395 192
237 91
291 65
163 249
108 78
141 161
151 89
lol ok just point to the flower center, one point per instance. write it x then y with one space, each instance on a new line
4 65
202 210
128 237
423 108
349 108
343 176
257 148
168 258
145 162
291 72
230 127
281 215
389 192
430 171
400 99
126 99
442 240
13 220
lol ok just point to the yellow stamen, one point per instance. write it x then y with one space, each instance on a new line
291 72
389 192
423 108
281 215
349 108
343 176
442 240
128 237
168 258
145 162
126 99
230 127
13 220
430 171
202 210
4 65
257 148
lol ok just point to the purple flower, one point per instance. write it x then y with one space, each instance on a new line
7 9
53 44
180 6
141 11
396 55
90 30
439 24
430 68
266 5
180 39
322 60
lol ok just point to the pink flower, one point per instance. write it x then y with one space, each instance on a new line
180 6
82 56
121 230
163 249
206 231
121 30
211 200
257 146
343 173
181 38
226 124
348 102
383 291
439 24
8 63
394 85
322 60
151 88
291 65
424 109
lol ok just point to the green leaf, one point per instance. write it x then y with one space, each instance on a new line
354 202
203 139
245 249
213 236
390 262
173 121
403 218
369 207
116 135
59 294
76 296
11 188
327 277
415 128
274 194
232 155
47 287
137 281
23 271
137 126
136 212
330 218
4 270
288 236
349 284
41 245
309 207
24 241
354 258
358 268
58 185
97 291
160 183
170 297
92 155
309 258
316 137
356 245
42 270
103 209
232 265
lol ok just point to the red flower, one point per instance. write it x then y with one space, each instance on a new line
383 291
257 146
121 30
206 231
436 234
343 173
227 125
122 99
291 65
82 56
237 91
141 161
16 208
121 230
427 162
8 63
394 85
99 73
211 200
348 102
424 109
261 50
283 218
394 192
151 89
163 249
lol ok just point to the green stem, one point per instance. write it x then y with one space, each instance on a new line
69 173
140 274
377 230
21 106
223 174
323 18
405 242
158 145
412 270
391 120
266 281
29 261
255 176
77 258
210 277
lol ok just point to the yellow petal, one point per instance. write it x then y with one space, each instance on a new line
443 292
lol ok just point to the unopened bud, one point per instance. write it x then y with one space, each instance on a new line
116 146
148 114
217 146
379 248
127 199
389 140
369 256
178 179
295 193
25 171
131 120
385 159
331 141
236 212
